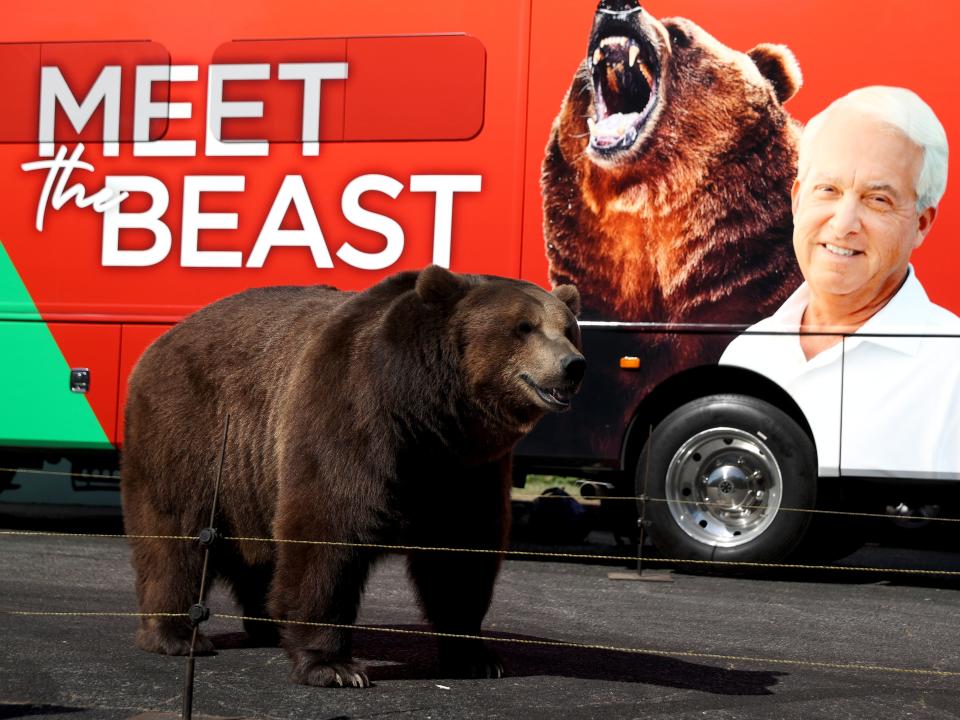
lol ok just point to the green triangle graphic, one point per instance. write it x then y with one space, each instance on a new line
37 407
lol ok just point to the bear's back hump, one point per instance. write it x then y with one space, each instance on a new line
253 334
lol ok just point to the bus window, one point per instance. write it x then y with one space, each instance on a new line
292 91
19 76
415 88
420 87
84 92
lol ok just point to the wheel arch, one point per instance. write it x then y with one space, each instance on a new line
695 383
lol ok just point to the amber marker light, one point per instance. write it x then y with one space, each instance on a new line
629 362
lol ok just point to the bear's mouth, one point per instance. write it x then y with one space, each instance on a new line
625 74
555 398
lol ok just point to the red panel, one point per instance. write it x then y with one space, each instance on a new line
415 88
62 264
96 347
81 64
19 74
136 339
282 99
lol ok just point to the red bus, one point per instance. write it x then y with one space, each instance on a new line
153 160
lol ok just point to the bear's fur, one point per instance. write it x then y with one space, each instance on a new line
666 181
386 416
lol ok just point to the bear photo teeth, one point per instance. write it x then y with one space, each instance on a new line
614 40
633 55
633 52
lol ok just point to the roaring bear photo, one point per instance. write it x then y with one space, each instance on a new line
355 418
666 181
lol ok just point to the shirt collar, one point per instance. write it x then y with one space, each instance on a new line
905 314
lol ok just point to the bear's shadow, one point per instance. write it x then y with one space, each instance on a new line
399 656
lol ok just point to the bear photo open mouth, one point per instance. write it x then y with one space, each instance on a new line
554 398
624 74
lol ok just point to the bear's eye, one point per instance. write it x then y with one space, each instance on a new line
678 38
524 327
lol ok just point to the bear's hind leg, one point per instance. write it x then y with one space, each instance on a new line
168 582
167 571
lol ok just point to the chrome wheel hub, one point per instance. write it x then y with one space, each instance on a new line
723 487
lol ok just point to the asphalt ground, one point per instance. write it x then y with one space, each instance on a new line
800 644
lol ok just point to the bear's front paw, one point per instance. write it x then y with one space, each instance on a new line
477 661
343 673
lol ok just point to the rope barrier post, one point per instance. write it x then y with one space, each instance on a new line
200 613
642 523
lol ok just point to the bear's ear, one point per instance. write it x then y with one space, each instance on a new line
778 65
436 284
569 296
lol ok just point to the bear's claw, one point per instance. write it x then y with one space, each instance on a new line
477 663
329 674
490 670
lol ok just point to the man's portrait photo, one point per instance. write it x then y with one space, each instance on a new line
872 362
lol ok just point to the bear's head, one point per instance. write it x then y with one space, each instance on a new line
669 166
656 105
518 346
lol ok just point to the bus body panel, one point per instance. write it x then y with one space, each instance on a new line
431 128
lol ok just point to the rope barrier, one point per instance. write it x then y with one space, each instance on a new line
633 498
814 664
40 613
62 473
110 536
508 553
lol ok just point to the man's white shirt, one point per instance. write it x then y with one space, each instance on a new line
883 402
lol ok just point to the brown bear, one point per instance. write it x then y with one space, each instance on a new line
386 417
666 181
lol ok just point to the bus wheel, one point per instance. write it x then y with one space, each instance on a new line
727 478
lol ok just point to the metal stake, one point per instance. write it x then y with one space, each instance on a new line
661 576
199 612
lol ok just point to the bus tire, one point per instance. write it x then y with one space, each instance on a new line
727 478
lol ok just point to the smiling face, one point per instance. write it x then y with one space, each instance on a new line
855 215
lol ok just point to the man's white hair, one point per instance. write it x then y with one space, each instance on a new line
904 110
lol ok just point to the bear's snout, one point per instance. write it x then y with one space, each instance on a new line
574 366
